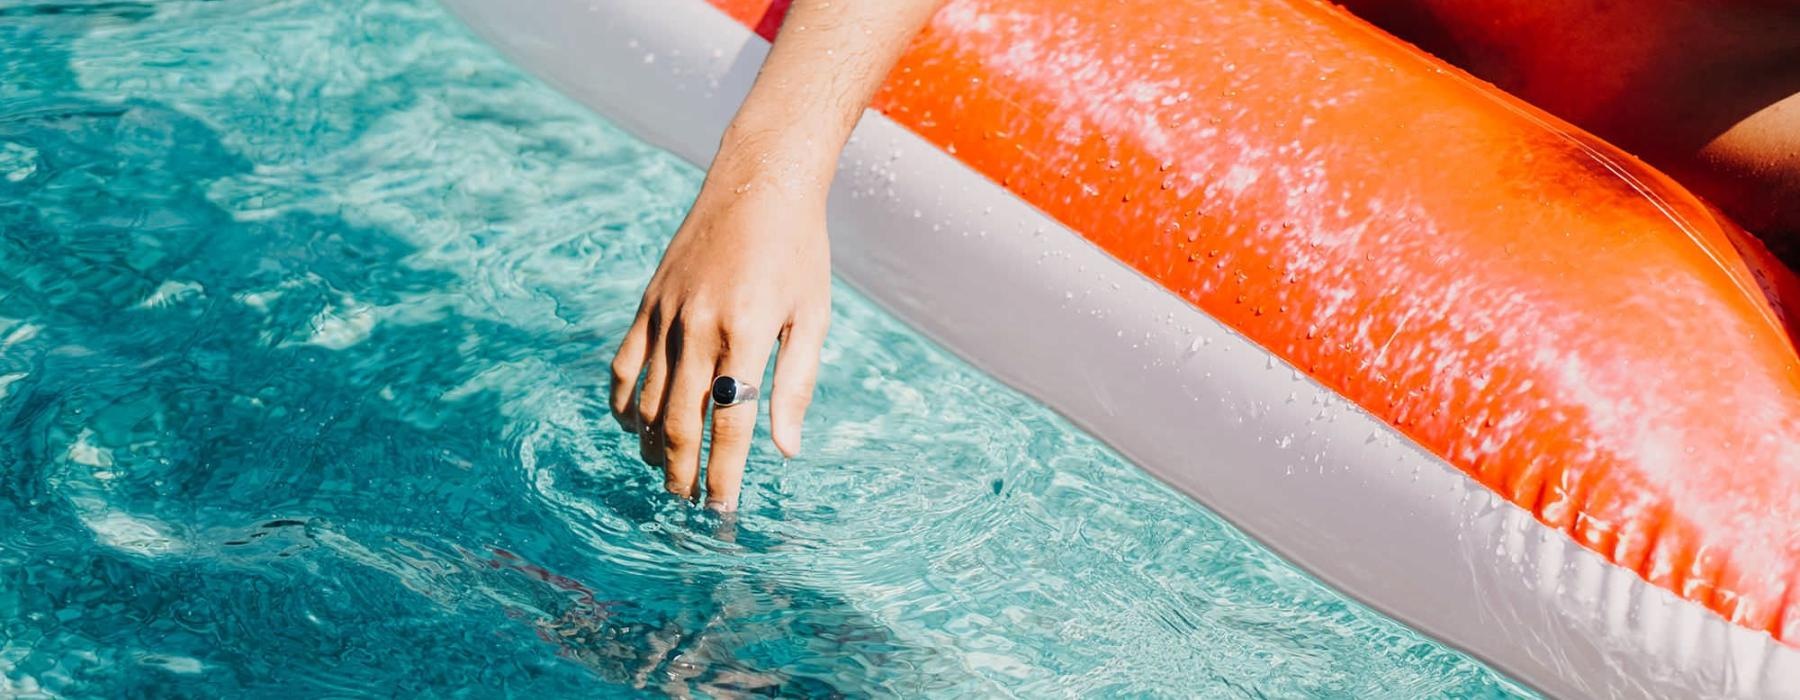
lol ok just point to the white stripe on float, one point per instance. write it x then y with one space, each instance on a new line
1299 468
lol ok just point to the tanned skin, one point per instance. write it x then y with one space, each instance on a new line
751 265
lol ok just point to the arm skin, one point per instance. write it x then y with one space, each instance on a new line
751 265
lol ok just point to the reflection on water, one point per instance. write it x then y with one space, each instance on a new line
304 310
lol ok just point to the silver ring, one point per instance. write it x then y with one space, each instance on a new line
731 391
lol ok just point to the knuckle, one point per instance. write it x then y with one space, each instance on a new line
793 407
680 434
698 316
745 306
621 372
730 425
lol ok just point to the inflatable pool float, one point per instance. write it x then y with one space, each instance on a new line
1452 355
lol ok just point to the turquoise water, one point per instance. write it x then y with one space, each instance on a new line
304 315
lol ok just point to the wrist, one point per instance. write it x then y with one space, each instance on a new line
794 162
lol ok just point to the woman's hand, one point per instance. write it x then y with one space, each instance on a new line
750 267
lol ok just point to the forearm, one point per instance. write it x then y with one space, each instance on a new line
750 267
827 62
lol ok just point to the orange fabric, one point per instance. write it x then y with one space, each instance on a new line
1569 327
761 16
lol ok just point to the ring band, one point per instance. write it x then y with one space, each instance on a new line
731 391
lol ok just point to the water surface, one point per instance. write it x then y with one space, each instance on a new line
304 315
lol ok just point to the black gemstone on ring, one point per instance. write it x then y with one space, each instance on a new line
724 391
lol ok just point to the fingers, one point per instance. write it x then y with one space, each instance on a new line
684 409
734 426
679 357
627 366
796 371
649 401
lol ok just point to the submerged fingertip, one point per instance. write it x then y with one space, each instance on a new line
789 449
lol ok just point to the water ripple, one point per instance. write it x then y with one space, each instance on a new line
302 352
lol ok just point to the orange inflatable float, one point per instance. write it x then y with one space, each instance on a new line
1540 314
1324 190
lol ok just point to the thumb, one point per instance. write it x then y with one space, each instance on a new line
796 371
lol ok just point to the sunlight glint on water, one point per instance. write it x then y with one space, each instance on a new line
304 314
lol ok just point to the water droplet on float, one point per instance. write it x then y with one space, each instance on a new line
1168 183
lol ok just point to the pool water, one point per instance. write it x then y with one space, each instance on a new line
305 308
